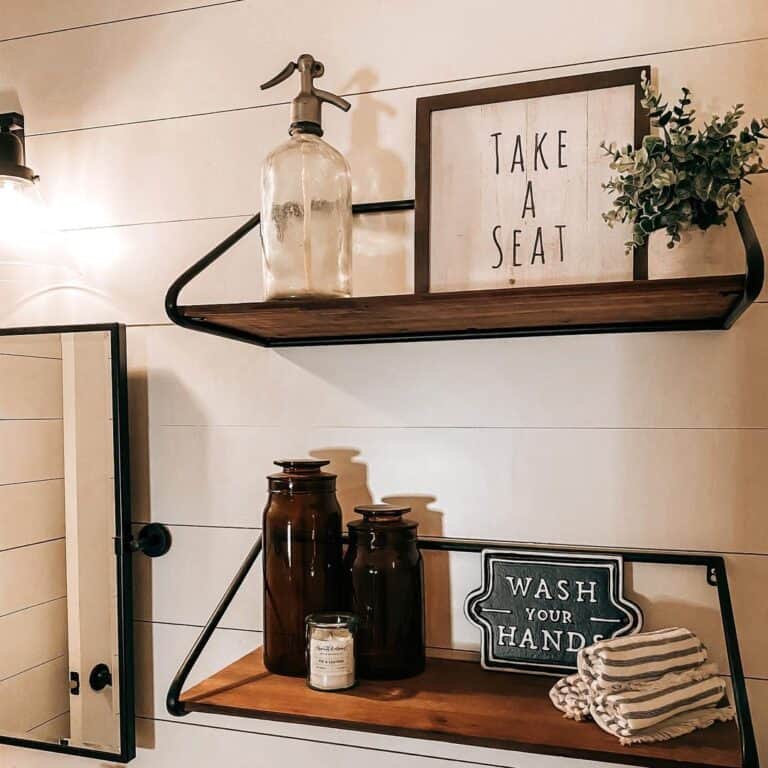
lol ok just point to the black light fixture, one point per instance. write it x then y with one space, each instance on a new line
12 155
21 210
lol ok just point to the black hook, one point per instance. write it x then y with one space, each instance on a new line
100 677
153 540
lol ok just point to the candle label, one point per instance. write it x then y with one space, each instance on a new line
332 661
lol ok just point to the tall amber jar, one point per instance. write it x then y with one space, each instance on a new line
302 559
384 586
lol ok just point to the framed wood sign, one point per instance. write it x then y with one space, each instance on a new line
537 609
509 183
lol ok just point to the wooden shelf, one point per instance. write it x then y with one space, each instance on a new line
453 701
643 305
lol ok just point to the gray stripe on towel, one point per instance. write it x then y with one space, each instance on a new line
649 713
647 675
648 644
662 692
637 661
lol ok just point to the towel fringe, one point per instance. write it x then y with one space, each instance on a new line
672 730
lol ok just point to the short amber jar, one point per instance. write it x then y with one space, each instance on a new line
384 586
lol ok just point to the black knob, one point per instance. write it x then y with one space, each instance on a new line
100 677
154 540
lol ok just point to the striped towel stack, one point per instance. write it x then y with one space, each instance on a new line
647 687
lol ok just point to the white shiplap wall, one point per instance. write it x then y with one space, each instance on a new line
148 128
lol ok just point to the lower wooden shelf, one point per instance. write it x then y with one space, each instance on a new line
453 701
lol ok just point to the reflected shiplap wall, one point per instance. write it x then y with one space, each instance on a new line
34 697
148 129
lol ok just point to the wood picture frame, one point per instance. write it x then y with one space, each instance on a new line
574 84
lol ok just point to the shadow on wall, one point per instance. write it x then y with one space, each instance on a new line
142 511
352 490
138 426
381 243
437 573
678 596
352 478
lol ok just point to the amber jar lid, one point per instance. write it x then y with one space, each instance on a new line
382 517
302 476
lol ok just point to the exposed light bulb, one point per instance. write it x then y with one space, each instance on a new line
23 218
22 213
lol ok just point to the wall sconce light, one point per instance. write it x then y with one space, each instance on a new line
21 207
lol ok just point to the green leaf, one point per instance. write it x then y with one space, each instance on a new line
685 177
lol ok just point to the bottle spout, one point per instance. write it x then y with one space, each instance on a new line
306 107
332 98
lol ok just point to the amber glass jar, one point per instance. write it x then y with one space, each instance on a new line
302 559
384 586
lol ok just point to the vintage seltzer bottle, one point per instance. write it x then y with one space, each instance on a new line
306 217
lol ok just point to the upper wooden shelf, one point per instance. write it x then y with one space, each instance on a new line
454 701
687 303
677 304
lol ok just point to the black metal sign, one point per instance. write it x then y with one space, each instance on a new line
538 608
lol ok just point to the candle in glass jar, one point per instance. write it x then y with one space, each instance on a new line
331 651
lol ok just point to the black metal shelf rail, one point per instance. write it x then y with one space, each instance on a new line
753 284
716 576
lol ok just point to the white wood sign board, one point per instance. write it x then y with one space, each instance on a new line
516 191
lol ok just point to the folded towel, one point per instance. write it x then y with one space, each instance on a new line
612 664
648 687
662 711
573 696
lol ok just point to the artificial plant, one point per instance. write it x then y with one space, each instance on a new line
682 177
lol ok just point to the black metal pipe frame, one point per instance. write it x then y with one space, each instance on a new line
715 574
753 284
755 274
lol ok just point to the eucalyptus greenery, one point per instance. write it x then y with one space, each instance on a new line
682 177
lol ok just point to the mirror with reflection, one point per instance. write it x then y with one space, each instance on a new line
66 669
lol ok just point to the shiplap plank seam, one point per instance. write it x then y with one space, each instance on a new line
29 482
467 427
429 647
34 666
34 605
29 357
402 753
117 21
411 86
154 223
48 720
715 552
33 543
34 418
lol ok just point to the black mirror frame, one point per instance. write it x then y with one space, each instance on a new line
123 549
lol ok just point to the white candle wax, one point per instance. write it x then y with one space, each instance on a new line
331 659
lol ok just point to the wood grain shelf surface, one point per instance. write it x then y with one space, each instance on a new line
455 701
680 303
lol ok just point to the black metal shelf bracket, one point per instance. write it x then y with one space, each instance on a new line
715 573
755 269
173 700
186 277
